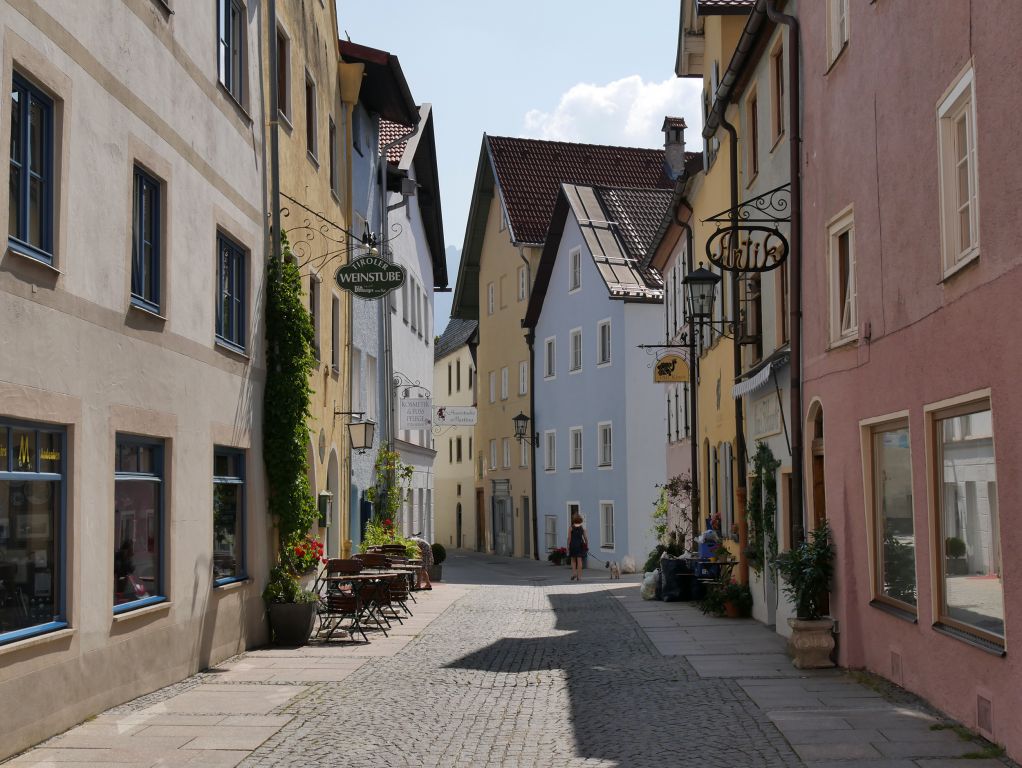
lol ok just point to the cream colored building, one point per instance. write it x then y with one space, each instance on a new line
133 530
454 384
313 188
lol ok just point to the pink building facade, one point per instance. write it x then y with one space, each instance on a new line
912 403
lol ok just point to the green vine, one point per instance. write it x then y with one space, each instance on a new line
761 509
289 363
393 478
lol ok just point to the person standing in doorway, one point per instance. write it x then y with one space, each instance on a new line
578 545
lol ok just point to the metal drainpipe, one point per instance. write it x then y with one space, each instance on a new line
693 369
795 256
530 338
274 145
739 462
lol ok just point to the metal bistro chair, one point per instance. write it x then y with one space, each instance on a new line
376 599
336 607
374 560
400 592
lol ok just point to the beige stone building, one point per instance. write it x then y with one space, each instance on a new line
133 533
454 384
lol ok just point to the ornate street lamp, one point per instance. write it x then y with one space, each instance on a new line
361 434
700 288
521 430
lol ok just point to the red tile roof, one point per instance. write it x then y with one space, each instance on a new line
389 132
709 7
529 173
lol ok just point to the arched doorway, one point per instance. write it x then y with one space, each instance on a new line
816 509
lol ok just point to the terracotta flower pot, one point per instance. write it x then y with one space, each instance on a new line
811 643
731 610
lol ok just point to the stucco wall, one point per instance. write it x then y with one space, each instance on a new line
452 474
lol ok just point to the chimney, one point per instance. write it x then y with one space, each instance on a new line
674 145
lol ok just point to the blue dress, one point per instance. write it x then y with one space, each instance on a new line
576 542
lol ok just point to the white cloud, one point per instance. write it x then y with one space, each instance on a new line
626 112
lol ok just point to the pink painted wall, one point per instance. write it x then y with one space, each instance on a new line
871 141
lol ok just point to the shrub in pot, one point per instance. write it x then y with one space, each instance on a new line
955 550
807 570
436 572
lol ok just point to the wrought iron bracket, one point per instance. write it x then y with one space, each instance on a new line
748 238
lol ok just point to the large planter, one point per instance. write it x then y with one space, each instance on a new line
436 572
811 643
731 609
291 623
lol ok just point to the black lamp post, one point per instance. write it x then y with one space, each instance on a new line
521 430
700 290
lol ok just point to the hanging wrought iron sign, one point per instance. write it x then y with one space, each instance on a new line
670 369
748 238
370 277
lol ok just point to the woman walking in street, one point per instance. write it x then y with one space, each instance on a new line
578 545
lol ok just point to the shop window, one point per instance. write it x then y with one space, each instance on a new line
32 520
138 523
894 541
228 515
971 590
30 216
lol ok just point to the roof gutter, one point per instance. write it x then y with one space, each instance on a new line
737 65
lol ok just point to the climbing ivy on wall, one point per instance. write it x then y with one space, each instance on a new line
761 509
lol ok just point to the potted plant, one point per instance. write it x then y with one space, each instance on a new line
728 598
558 555
291 604
956 563
436 571
807 570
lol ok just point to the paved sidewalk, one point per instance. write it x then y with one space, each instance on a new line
508 664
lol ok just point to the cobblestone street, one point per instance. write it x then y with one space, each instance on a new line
508 664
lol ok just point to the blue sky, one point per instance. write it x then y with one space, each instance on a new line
596 71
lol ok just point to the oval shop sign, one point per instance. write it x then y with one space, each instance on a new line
370 277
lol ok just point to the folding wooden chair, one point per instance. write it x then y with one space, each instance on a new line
335 608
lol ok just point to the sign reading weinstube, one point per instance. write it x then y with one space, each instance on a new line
370 277
415 413
455 416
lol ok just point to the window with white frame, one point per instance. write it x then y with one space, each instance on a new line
550 532
549 358
523 458
503 382
523 283
231 35
493 454
843 317
575 364
489 298
370 405
958 182
606 524
576 448
603 343
575 269
523 377
493 386
605 444
550 451
507 451
837 28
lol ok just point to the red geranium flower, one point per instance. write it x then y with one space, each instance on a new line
300 551
388 522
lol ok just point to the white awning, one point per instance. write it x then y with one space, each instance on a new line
742 388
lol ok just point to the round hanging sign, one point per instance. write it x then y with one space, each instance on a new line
370 277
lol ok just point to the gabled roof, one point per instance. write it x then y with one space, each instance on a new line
618 225
384 88
390 132
457 334
526 175
724 7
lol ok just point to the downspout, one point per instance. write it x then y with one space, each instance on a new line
795 255
530 338
274 144
739 461
349 78
693 376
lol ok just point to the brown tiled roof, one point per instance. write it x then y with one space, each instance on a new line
709 7
674 122
389 132
637 214
455 335
529 173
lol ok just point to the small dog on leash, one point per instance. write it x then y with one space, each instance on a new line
615 569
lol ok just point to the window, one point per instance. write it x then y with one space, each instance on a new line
894 543
404 300
283 75
523 283
752 314
605 444
458 367
356 379
506 445
575 266
503 383
314 311
30 218
550 452
837 28
752 118
413 297
971 592
493 454
501 291
32 470
228 515
333 157
450 450
310 117
606 525
335 334
371 394
576 350
777 93
230 308
843 323
727 496
603 343
450 379
489 298
145 241
523 453
231 60
470 369
457 443
523 377
493 386
549 369
958 182
550 532
138 523
576 448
